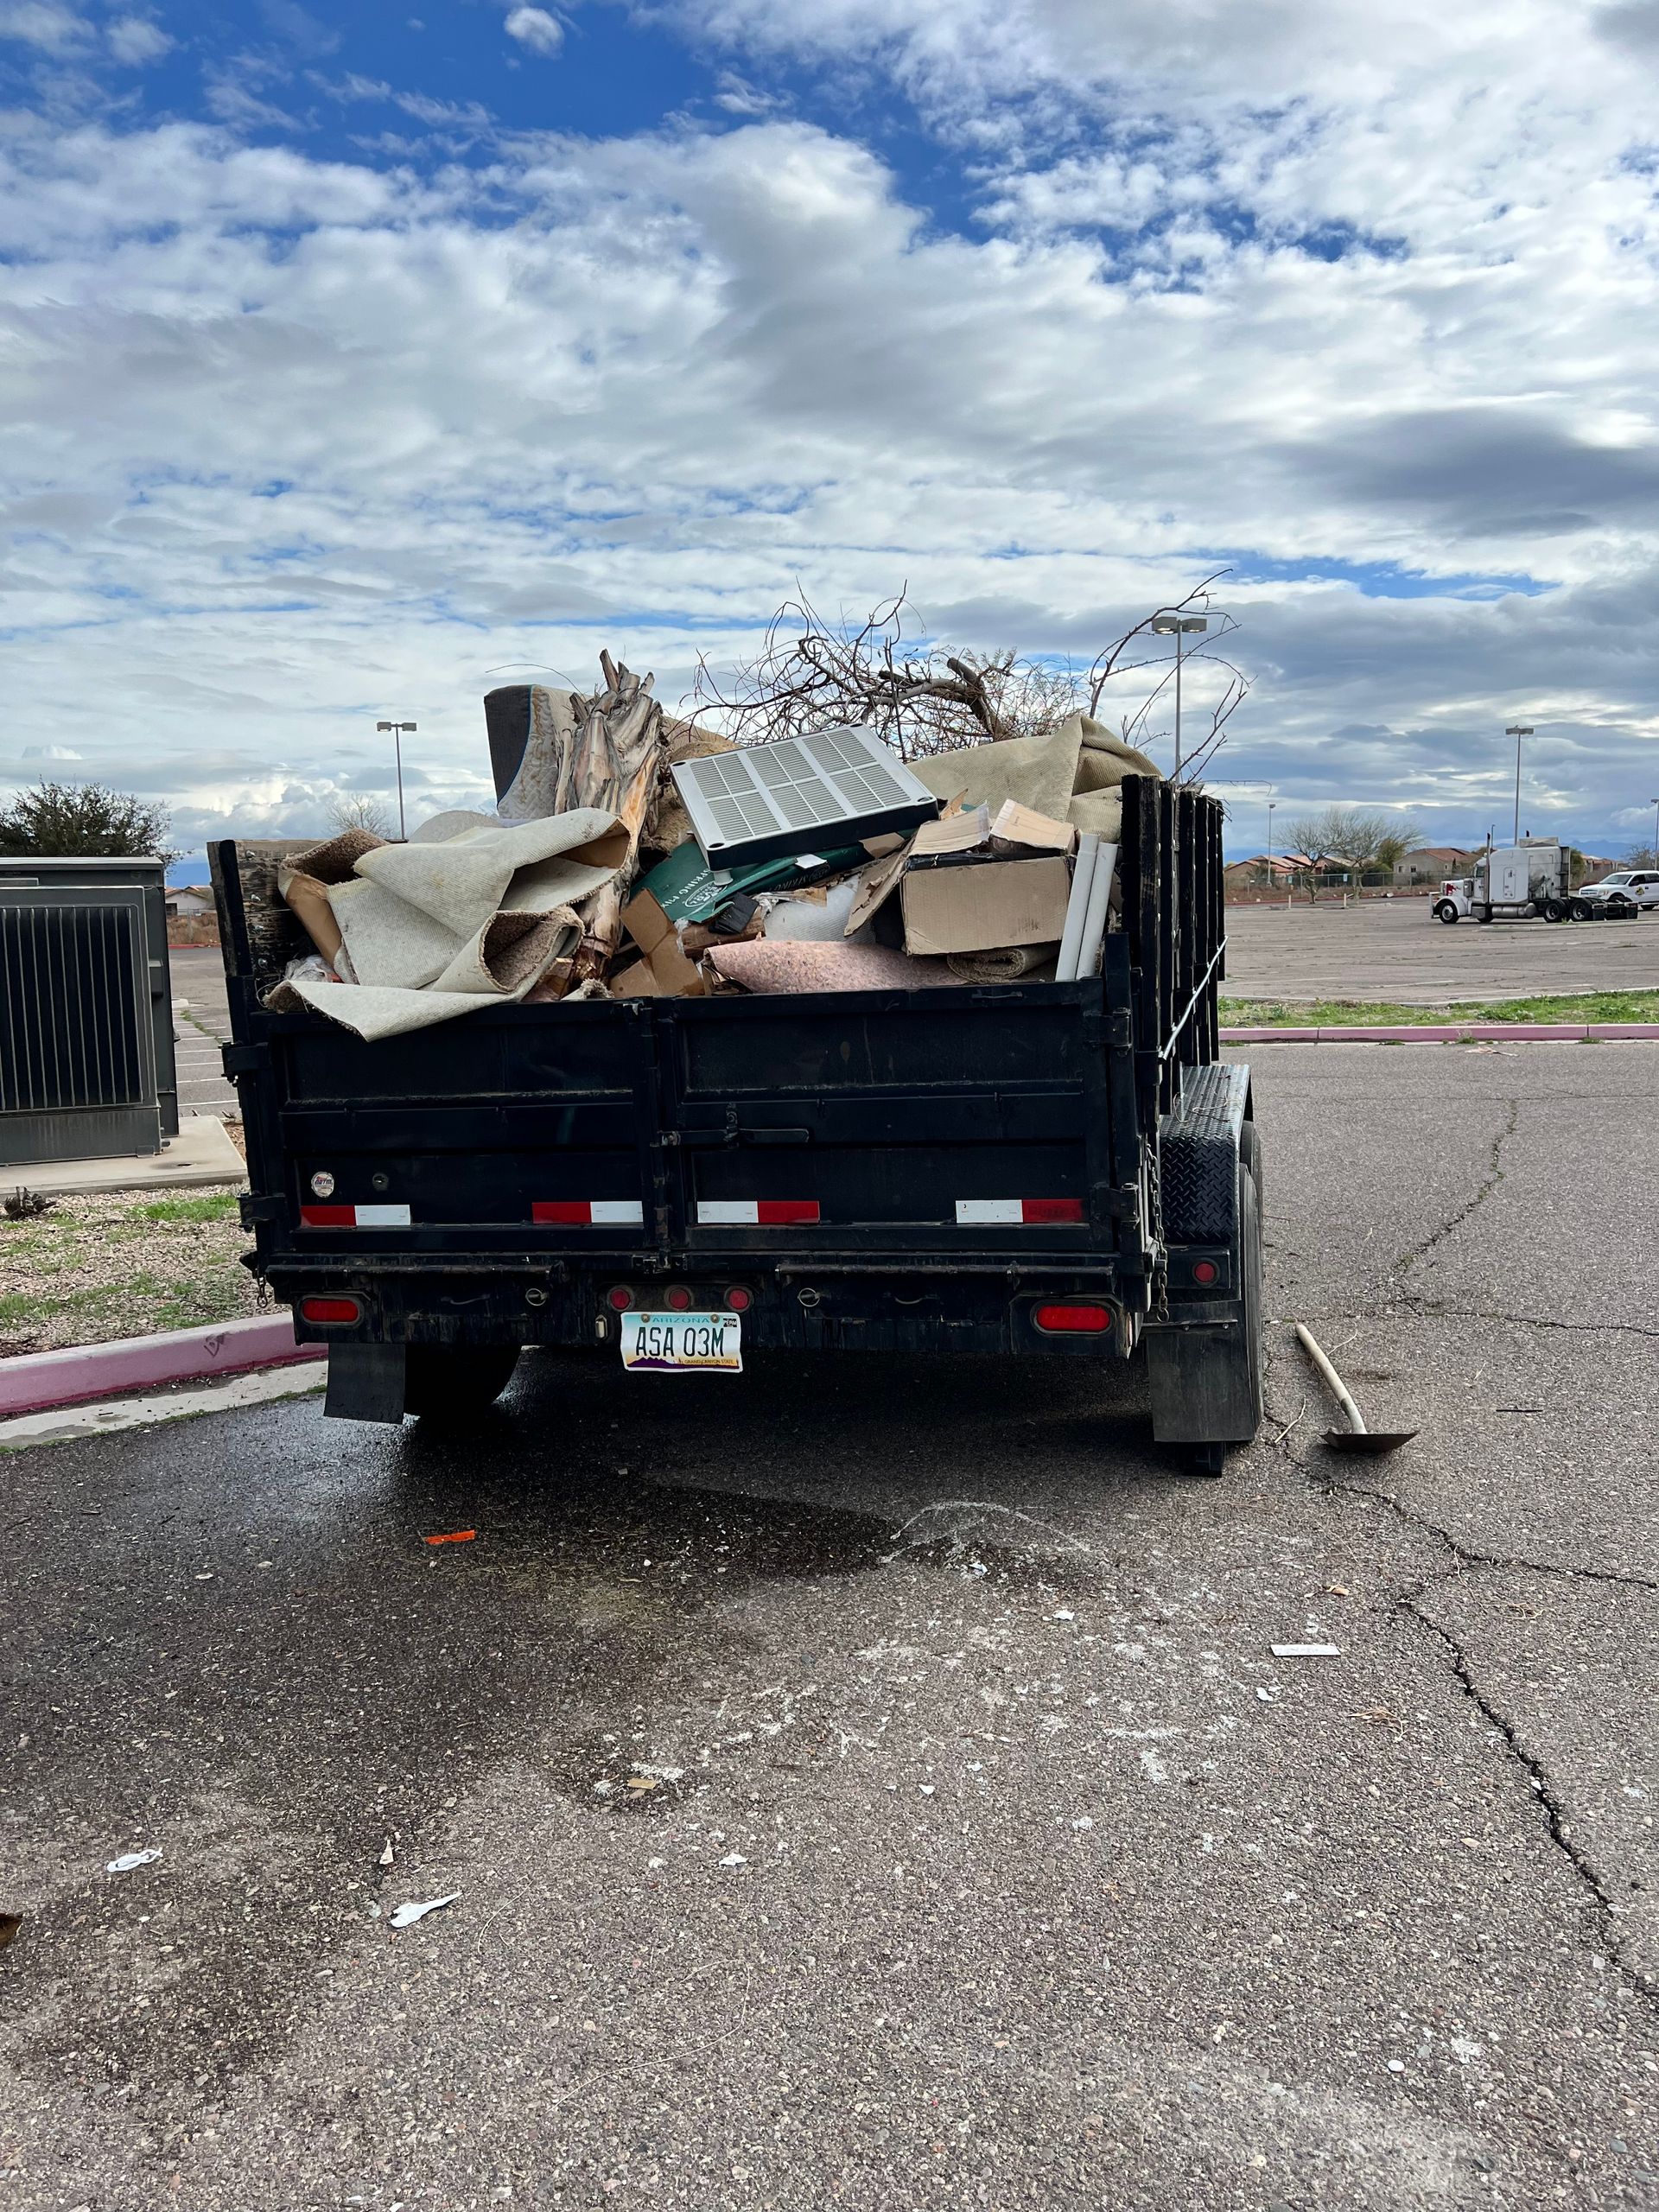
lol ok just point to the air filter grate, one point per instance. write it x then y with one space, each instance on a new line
833 788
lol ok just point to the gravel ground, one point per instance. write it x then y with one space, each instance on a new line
119 1265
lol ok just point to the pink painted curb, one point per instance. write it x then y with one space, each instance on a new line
1523 1032
37 1381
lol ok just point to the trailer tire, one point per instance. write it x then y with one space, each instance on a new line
1554 911
1249 1151
1582 911
448 1383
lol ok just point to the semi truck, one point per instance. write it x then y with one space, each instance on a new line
1530 881
1061 1171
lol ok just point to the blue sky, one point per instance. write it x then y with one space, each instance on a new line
353 360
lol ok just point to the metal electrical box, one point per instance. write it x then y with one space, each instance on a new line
86 1067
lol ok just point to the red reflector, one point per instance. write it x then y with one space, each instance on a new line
771 1212
330 1309
739 1299
329 1216
1205 1271
1077 1321
678 1300
1052 1209
619 1299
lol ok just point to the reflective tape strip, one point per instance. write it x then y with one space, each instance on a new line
354 1218
982 1213
590 1213
754 1213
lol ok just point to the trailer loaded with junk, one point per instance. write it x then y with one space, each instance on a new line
691 1050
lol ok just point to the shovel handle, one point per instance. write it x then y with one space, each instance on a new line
1339 1387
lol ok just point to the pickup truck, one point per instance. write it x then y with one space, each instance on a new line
1052 1170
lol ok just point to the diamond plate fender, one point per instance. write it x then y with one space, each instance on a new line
1198 1146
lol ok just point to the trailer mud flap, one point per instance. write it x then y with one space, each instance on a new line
365 1382
1203 1389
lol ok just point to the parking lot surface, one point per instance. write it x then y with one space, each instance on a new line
873 1783
1383 948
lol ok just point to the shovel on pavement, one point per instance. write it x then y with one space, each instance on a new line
1357 1437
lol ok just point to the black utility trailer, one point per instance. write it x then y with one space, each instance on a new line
1057 1170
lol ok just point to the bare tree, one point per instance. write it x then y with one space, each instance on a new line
359 811
811 673
924 698
1358 836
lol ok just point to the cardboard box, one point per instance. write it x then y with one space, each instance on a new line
984 906
1024 829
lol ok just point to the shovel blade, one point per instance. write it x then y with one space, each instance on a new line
1368 1442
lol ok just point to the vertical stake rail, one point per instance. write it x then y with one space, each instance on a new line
1168 849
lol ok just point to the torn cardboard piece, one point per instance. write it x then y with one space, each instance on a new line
664 969
1070 774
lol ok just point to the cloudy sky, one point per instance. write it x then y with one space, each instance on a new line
352 361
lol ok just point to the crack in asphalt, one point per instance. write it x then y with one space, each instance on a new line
1557 1825
1494 1176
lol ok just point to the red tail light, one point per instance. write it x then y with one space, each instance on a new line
1074 1320
738 1299
619 1299
330 1309
1205 1271
678 1300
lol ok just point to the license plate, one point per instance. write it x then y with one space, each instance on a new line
683 1343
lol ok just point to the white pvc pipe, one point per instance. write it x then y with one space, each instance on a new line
1094 921
1077 907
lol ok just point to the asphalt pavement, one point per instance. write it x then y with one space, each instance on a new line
197 973
873 1783
1393 949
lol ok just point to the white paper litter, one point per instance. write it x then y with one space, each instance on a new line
1305 1650
733 1858
386 1855
407 1914
131 1858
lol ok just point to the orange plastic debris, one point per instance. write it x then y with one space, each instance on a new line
454 1537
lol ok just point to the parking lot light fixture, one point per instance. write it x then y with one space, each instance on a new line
1518 731
398 731
1179 627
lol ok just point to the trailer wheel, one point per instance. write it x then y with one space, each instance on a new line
1582 911
1554 911
1249 1151
1446 910
450 1381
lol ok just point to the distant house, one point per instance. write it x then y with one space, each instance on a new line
1259 871
188 900
1429 863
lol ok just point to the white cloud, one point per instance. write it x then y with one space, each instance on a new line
44 23
534 28
136 42
295 442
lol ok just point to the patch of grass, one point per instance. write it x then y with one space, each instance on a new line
219 1205
1354 1014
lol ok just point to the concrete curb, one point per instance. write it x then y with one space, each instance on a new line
1520 1032
37 1381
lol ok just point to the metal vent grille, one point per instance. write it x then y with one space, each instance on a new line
831 789
77 1051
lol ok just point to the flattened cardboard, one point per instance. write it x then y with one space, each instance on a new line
983 908
1023 826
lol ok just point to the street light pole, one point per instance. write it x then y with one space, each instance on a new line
1518 731
1272 803
1178 625
397 730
